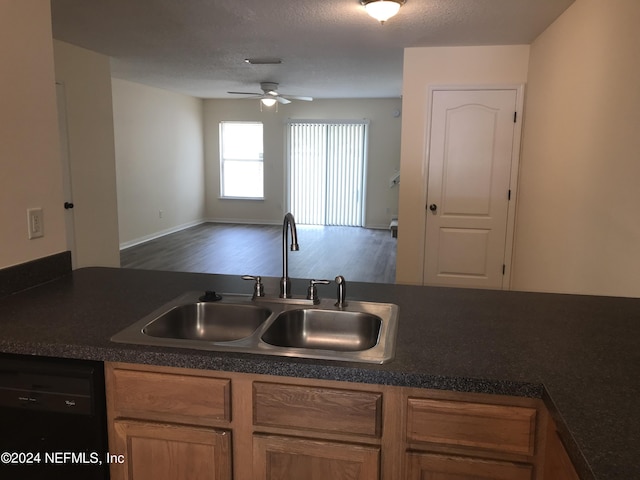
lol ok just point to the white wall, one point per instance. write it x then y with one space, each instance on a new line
30 168
578 218
159 160
438 66
86 77
384 155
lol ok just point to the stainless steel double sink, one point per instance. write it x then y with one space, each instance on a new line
359 332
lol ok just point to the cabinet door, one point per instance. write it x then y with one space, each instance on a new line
157 451
285 458
425 466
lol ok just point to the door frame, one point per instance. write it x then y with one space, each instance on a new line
65 160
515 164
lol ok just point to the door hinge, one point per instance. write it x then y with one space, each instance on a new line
515 117
509 195
504 268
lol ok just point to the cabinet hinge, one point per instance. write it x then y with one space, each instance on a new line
504 268
515 117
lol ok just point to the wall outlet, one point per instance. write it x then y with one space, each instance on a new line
35 220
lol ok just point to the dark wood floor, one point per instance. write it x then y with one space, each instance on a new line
360 254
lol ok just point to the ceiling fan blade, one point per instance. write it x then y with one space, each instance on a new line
294 97
282 100
244 93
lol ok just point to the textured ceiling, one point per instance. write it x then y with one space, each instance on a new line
329 48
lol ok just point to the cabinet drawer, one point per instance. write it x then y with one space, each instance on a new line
320 409
429 466
286 458
489 427
164 396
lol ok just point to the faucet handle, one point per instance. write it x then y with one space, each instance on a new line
258 287
342 292
312 292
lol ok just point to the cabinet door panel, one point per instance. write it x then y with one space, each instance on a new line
284 458
499 428
317 408
425 466
192 399
155 451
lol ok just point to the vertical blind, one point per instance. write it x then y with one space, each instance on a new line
327 172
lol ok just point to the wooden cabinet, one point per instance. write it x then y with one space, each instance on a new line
176 424
161 423
308 407
160 451
471 436
501 428
424 466
321 414
290 458
557 465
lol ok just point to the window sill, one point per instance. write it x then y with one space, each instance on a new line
260 199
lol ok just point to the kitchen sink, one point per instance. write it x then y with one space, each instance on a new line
359 332
324 329
215 322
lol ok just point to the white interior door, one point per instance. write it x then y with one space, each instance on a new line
471 149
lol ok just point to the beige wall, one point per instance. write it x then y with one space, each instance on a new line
86 79
159 161
424 67
384 151
30 169
578 220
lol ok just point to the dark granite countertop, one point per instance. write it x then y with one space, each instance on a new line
578 353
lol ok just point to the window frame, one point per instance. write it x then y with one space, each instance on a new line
222 160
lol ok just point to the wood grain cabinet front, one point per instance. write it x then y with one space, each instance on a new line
168 396
308 407
158 451
425 466
161 423
288 458
183 424
500 428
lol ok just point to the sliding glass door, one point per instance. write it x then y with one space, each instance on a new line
327 171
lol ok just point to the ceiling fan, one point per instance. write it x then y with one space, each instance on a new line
270 95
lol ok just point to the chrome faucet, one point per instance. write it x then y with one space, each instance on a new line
288 224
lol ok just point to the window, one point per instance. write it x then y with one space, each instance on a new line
241 160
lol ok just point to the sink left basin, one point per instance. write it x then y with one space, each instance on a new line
214 322
188 322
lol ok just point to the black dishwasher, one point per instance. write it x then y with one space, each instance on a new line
52 419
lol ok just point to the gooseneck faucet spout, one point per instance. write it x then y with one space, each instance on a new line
288 224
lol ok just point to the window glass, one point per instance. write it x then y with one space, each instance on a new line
241 160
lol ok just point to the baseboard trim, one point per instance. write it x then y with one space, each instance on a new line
161 233
244 221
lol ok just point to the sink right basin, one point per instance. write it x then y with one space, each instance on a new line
337 330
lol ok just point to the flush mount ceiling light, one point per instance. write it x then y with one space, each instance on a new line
382 10
268 101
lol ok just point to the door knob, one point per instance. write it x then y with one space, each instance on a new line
433 207
68 205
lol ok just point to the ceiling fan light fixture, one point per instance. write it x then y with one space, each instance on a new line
382 10
268 102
